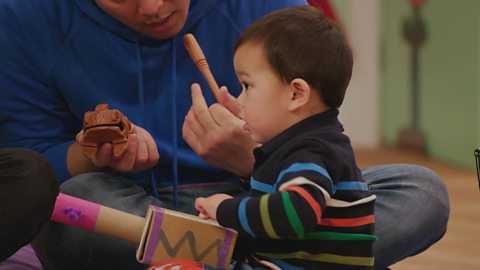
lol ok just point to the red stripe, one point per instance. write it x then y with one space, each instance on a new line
311 201
348 222
262 263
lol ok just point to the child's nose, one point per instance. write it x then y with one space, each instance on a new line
150 7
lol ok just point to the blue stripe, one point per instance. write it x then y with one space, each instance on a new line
285 265
352 185
298 167
260 186
242 216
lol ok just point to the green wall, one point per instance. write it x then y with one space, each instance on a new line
448 78
341 10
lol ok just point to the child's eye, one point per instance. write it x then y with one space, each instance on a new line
245 85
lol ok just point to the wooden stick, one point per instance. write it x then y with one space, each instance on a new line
198 58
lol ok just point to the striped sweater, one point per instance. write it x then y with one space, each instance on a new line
308 207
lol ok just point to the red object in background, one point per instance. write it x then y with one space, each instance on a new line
326 7
416 3
329 12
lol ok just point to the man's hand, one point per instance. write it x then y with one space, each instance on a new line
217 135
208 206
141 154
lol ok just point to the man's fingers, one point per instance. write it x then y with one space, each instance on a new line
190 137
104 155
200 109
126 162
79 137
142 152
152 149
229 101
224 118
193 124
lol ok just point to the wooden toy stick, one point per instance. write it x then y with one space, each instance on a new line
198 58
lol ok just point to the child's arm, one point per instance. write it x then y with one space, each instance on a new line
280 214
208 206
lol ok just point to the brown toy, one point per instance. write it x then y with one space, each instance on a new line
198 58
105 126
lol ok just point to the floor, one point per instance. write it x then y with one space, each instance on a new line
460 247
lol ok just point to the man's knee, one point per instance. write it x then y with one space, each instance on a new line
95 186
28 188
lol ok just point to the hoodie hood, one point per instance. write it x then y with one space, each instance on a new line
197 9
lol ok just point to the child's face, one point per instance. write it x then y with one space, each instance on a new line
160 19
264 96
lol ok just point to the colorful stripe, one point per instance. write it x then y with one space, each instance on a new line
266 220
285 265
266 264
225 249
351 185
348 222
298 167
242 216
153 237
340 236
345 204
322 257
298 181
292 216
261 186
311 201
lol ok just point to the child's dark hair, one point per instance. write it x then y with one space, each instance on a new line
300 42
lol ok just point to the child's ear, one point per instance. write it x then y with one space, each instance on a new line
299 94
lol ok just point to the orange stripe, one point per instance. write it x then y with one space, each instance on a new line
311 201
263 263
348 222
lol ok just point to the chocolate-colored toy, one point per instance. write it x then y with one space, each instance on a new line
105 126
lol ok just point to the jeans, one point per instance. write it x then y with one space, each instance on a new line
411 209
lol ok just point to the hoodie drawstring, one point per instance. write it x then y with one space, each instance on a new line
152 175
141 94
174 128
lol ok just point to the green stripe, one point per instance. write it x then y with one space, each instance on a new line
292 216
266 220
340 236
322 257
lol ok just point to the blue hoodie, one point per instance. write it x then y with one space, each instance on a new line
60 58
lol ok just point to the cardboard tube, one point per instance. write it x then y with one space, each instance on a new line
120 225
198 58
92 216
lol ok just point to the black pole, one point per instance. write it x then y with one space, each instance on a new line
416 38
476 153
415 34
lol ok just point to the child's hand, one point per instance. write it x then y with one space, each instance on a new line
208 206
